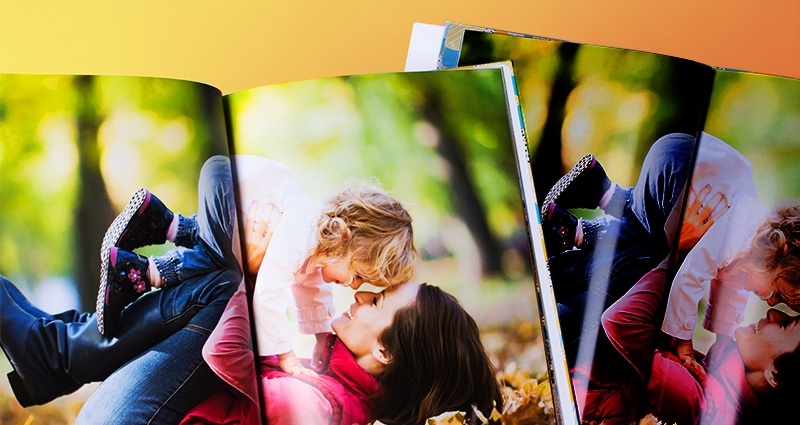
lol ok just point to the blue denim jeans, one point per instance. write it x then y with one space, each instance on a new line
589 280
162 383
204 244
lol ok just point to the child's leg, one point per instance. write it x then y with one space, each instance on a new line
211 231
583 186
52 357
563 231
664 174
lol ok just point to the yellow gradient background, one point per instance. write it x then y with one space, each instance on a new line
240 44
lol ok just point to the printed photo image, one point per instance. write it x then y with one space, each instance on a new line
429 290
111 269
669 226
347 250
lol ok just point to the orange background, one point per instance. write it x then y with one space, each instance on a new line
240 44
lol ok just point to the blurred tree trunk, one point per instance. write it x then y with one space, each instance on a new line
547 162
685 95
213 121
466 202
94 209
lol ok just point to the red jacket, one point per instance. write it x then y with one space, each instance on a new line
342 394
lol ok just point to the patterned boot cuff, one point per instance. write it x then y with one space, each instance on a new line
592 231
187 231
168 267
619 200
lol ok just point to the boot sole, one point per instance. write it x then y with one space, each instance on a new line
110 239
563 183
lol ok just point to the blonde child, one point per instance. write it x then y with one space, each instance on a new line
359 235
748 249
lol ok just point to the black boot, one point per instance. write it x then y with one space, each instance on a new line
124 277
558 228
54 355
582 187
144 221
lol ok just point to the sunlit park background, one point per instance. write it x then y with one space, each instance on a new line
72 152
438 141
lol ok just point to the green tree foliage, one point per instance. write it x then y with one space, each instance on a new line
759 115
441 144
69 145
580 98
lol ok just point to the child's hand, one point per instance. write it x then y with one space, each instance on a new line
259 225
685 352
319 348
291 364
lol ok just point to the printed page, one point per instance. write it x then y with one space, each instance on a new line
442 146
732 305
612 135
423 47
92 171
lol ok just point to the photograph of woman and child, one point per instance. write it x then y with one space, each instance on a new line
670 207
328 220
727 257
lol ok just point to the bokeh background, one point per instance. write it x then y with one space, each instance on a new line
578 99
73 149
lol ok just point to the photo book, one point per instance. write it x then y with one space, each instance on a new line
526 231
666 194
192 252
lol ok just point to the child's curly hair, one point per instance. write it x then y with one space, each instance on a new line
375 228
777 247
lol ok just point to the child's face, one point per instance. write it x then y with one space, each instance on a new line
340 272
760 282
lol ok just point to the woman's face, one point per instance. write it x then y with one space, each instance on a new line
371 313
761 343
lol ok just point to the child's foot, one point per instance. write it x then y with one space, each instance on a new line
582 187
124 277
144 221
559 229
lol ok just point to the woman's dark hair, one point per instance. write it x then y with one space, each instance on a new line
438 363
778 404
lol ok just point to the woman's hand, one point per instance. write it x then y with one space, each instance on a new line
260 224
703 210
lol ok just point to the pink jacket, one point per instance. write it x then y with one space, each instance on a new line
342 394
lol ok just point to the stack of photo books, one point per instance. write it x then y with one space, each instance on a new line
522 230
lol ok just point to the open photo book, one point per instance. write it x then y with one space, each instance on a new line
668 198
341 250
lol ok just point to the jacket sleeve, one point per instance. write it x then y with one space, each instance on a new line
314 301
690 285
725 311
270 301
228 351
